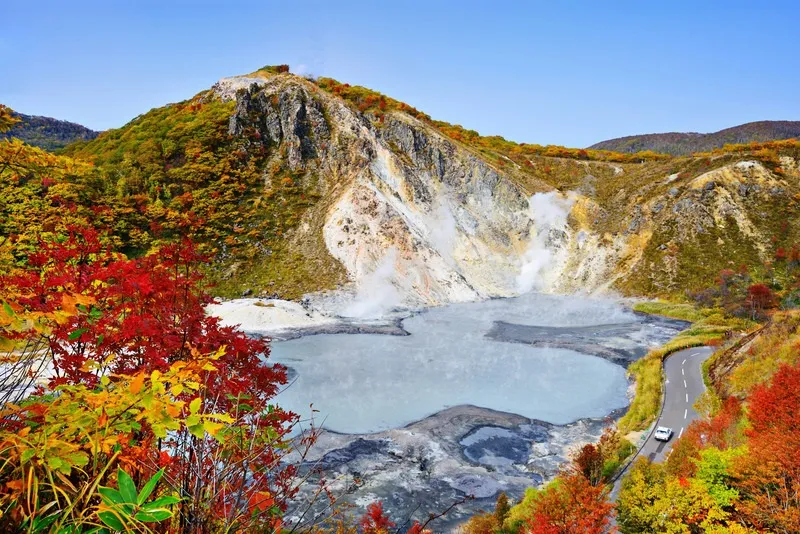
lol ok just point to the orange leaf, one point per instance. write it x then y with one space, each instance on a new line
68 303
14 485
137 383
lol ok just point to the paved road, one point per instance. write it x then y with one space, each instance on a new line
684 383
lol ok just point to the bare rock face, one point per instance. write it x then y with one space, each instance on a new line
451 228
444 225
416 218
726 215
291 118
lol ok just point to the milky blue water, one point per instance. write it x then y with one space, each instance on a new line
369 382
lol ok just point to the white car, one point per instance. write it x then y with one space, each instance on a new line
663 433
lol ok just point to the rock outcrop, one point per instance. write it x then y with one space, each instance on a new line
452 227
418 218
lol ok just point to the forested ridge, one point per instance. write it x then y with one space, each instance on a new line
47 133
677 143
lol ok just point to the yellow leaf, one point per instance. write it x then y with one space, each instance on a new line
6 314
212 428
137 383
194 406
6 345
224 417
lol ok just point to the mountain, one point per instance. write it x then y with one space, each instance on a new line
293 186
47 133
689 143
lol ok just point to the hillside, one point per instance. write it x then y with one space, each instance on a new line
683 144
290 186
293 186
47 133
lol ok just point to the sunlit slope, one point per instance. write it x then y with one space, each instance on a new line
295 185
46 132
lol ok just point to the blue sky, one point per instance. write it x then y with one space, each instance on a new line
566 72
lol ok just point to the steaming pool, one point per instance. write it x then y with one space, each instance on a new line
365 383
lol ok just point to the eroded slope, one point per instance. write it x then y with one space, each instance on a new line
323 184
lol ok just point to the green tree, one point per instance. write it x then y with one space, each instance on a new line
501 508
652 501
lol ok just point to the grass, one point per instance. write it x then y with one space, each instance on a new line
286 274
709 326
673 310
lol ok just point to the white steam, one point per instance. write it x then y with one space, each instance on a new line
376 294
443 232
548 212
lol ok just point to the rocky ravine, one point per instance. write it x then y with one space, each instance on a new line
417 219
460 451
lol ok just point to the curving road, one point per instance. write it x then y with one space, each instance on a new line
684 383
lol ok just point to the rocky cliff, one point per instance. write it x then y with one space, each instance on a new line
403 210
421 216
414 217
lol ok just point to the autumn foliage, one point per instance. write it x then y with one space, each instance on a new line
132 355
123 406
768 477
571 504
575 501
738 471
112 375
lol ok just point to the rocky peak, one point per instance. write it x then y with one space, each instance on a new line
282 114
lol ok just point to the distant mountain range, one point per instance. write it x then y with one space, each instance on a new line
681 144
48 133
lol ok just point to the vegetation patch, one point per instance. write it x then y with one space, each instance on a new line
709 326
739 370
46 133
174 173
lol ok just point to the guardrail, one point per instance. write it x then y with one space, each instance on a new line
627 464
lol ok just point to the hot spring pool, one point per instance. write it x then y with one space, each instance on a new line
364 383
